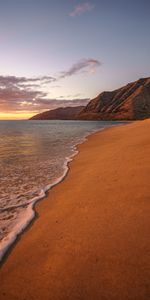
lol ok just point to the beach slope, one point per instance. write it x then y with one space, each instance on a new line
91 239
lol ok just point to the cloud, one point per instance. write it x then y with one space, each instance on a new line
81 8
86 65
14 82
12 101
24 82
14 98
27 94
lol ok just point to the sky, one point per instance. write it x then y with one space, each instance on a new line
62 53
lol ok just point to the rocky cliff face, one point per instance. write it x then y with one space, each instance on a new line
63 113
130 102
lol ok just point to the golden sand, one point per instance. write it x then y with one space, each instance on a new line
91 239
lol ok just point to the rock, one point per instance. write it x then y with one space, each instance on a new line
131 102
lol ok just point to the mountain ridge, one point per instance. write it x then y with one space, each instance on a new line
130 102
60 113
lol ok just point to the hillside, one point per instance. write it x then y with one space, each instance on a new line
61 113
131 102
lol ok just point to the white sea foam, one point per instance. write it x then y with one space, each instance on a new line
21 205
28 214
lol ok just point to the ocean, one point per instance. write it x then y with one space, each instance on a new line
33 158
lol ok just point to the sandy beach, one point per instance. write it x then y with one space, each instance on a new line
90 240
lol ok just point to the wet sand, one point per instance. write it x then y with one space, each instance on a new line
91 239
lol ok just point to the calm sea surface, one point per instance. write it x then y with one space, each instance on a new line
33 157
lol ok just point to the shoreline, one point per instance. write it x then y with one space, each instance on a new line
25 226
72 216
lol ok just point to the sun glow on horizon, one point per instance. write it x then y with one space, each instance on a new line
23 115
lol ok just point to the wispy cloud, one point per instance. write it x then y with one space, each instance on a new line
12 101
24 82
15 98
27 94
14 82
81 9
85 65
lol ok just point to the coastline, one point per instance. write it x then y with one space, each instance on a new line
24 223
71 259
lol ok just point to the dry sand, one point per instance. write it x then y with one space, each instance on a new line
91 240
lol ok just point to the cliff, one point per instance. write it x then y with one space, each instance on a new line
131 102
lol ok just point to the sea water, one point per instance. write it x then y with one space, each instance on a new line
33 158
